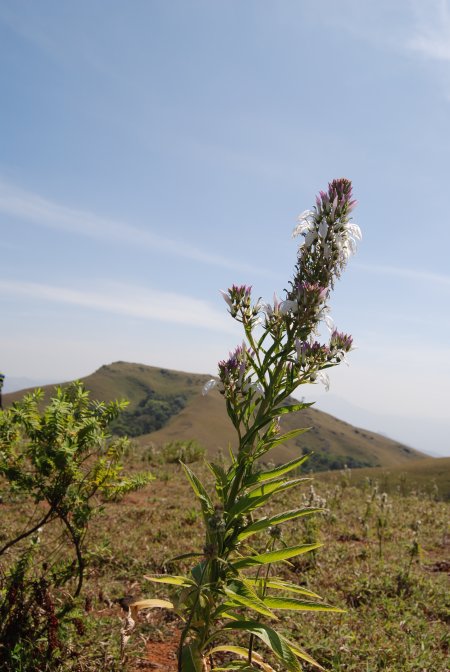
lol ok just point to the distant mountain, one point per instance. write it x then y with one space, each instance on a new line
427 434
15 384
167 405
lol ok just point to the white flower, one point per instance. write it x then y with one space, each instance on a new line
329 322
323 378
209 386
310 238
323 228
305 223
258 307
226 297
288 306
272 310
256 387
353 230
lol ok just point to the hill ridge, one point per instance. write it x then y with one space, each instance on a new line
168 405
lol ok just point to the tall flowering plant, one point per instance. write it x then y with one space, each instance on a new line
232 588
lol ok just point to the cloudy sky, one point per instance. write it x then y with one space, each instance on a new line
155 152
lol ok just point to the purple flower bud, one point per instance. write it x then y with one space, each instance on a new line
340 341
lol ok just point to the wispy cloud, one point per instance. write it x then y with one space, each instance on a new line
407 273
30 207
431 36
128 300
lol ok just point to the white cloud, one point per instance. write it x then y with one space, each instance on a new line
431 36
24 205
128 300
407 273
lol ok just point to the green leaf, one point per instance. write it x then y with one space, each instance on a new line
191 658
186 556
279 584
243 653
171 580
298 605
280 647
286 437
282 469
264 523
301 653
259 496
197 486
289 408
220 476
242 594
273 556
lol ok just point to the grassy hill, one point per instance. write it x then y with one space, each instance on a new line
333 442
167 405
430 476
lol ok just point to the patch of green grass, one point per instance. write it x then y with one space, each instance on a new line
397 604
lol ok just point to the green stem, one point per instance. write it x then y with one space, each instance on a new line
186 628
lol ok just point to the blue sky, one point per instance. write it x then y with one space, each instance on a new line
154 152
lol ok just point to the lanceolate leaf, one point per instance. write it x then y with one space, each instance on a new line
220 475
150 604
197 486
185 556
242 594
280 647
171 580
249 502
191 659
243 653
290 408
274 556
286 437
279 584
265 523
284 468
303 655
298 605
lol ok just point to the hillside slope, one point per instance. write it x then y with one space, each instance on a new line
333 442
167 405
430 476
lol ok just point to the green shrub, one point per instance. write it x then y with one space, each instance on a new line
63 464
184 451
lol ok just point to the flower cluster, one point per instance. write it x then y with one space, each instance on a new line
309 354
235 376
238 299
232 370
329 238
329 235
340 342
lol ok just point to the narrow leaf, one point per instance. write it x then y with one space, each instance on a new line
290 408
150 604
282 469
243 653
264 523
242 594
301 653
298 605
280 647
249 503
287 436
197 486
279 584
191 659
274 556
172 580
186 556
